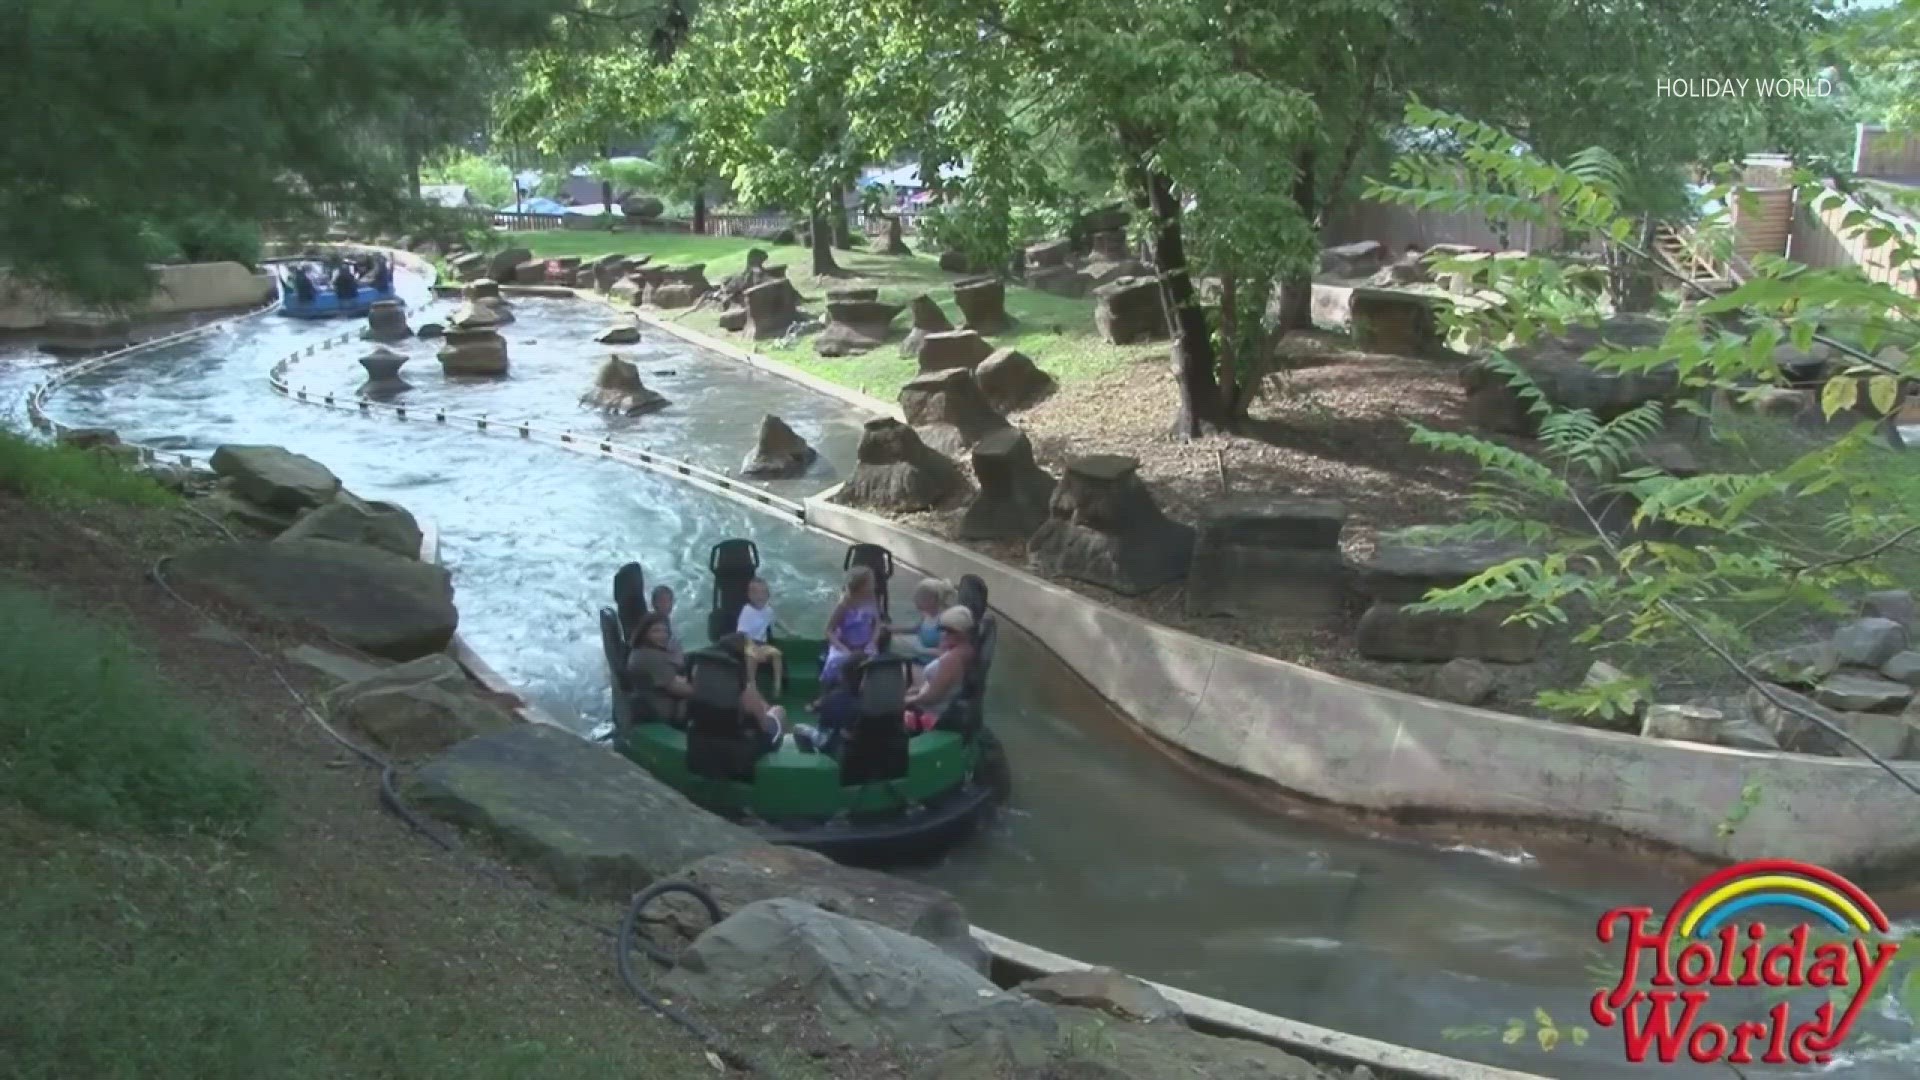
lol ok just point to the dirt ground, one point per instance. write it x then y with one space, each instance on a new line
386 907
1335 424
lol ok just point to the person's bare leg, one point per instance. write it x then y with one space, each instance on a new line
753 666
779 674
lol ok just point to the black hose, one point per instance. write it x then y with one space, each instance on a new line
623 960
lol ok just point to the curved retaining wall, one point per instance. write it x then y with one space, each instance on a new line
1356 745
185 287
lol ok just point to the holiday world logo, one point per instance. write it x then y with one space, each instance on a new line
1712 939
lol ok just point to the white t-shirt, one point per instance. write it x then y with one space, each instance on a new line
756 623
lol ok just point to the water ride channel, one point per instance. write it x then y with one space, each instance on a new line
1110 849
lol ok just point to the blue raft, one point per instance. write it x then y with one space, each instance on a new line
328 305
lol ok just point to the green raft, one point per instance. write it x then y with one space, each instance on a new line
883 798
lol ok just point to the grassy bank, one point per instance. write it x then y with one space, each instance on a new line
202 885
1056 332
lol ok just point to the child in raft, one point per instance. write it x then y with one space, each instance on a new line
757 622
932 597
855 627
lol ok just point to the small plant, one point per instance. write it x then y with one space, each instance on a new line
1749 798
69 476
1545 1032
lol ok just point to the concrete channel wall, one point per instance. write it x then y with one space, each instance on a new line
1356 745
216 286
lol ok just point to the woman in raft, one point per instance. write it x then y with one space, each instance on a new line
655 670
937 686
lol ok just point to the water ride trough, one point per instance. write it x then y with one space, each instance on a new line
885 798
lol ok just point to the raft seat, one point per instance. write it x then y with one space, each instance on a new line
876 748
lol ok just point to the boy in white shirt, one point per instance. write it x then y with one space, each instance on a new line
757 622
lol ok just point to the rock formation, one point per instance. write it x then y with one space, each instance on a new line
771 307
894 470
983 304
383 373
273 477
1401 572
474 354
1397 323
617 388
470 266
952 349
779 451
674 286
927 319
1130 310
1270 557
896 239
855 325
503 264
947 410
386 321
480 314
482 289
430 330
626 333
422 706
1014 490
1556 366
348 519
1011 382
1104 528
853 294
1356 260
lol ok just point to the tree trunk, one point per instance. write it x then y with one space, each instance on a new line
837 214
821 233
1193 354
700 213
1296 288
606 202
1229 344
413 170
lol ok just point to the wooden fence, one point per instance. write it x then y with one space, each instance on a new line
1821 239
718 224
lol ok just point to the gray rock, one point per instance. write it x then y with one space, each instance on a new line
481 289
617 388
772 307
1890 738
779 451
386 321
274 478
587 820
952 349
1352 260
1396 323
1869 642
425 715
1011 382
856 326
1104 528
1801 665
222 500
928 318
1105 990
1558 367
474 354
870 985
1391 632
361 596
1601 673
983 304
1688 722
1903 667
429 331
1851 692
1404 571
1792 730
350 520
1270 557
894 470
1464 682
619 334
1014 493
503 264
948 410
1141 1051
1131 310
1048 253
766 872
1895 605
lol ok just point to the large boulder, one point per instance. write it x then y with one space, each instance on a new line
1355 260
927 319
1015 491
383 373
855 326
588 821
643 207
361 596
894 470
481 289
350 520
772 306
386 321
778 451
504 264
1130 310
530 272
1391 631
480 314
947 410
1557 366
1396 323
419 707
870 985
1048 253
1869 642
952 349
1403 571
275 478
1011 381
474 354
766 872
1105 990
1269 557
983 304
617 388
471 266
628 290
675 286
1065 281
1104 528
624 333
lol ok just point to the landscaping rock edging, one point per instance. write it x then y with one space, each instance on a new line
1386 751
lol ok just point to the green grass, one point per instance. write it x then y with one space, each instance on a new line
1056 332
66 476
90 736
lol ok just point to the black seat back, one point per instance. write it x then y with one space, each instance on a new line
630 597
614 645
876 748
718 746
880 561
970 708
734 564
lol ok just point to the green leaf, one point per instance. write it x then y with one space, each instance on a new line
1540 1017
1548 1037
1842 392
1910 994
1580 1036
1516 1030
1884 392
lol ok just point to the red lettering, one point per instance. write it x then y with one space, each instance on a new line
1659 1026
1792 952
1750 956
1729 936
1639 939
1743 1033
1707 1043
1829 967
1694 964
1776 1036
1809 1042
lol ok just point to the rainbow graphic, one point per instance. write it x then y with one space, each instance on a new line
1729 893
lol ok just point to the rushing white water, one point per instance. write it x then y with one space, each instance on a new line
1109 852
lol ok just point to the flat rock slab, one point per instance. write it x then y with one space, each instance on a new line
361 596
588 820
742 877
1402 572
